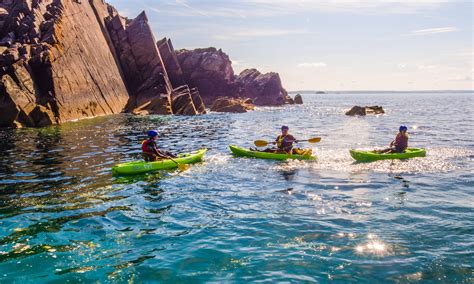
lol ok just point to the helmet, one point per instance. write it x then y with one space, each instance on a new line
284 127
152 133
403 128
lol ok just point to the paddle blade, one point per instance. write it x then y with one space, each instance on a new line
260 143
183 167
314 140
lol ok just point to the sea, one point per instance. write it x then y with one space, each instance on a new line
65 219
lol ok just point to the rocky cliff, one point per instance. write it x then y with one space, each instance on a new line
62 60
56 64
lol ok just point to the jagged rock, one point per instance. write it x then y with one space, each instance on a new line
226 104
142 65
171 63
197 100
358 110
298 99
158 105
210 71
264 89
65 60
185 102
86 80
18 100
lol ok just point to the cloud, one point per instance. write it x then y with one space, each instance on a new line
463 53
256 33
402 65
427 67
434 31
272 8
313 65
184 4
351 6
461 78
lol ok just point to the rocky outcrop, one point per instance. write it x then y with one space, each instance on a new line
170 60
187 101
49 72
361 111
63 60
210 71
235 105
298 99
264 89
140 59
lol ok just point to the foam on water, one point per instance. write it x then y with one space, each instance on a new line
437 160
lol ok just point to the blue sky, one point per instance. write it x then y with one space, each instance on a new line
328 44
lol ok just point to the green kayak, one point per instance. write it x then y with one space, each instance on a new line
138 167
242 152
370 156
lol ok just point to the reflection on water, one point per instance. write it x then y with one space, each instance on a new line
65 218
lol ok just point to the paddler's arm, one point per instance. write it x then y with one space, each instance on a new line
161 154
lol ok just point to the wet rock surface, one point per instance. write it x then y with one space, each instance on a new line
298 99
361 111
235 105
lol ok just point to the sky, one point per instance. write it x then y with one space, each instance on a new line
328 44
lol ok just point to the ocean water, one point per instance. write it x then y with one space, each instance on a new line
64 218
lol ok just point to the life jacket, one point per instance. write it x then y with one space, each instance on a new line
147 146
401 142
282 144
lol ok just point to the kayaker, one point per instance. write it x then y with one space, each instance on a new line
150 151
285 141
400 144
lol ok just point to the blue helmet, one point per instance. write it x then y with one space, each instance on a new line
152 133
403 128
284 127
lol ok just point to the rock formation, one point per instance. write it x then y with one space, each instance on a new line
49 73
298 99
226 104
187 101
63 60
264 89
209 70
358 110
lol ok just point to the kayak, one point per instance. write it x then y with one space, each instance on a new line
137 167
242 152
370 156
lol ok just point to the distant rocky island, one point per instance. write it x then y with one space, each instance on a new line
64 60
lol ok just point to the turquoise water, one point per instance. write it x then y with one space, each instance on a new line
63 217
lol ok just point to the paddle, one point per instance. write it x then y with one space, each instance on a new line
181 167
263 143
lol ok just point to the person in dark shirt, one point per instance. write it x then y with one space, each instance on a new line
400 144
284 141
150 151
